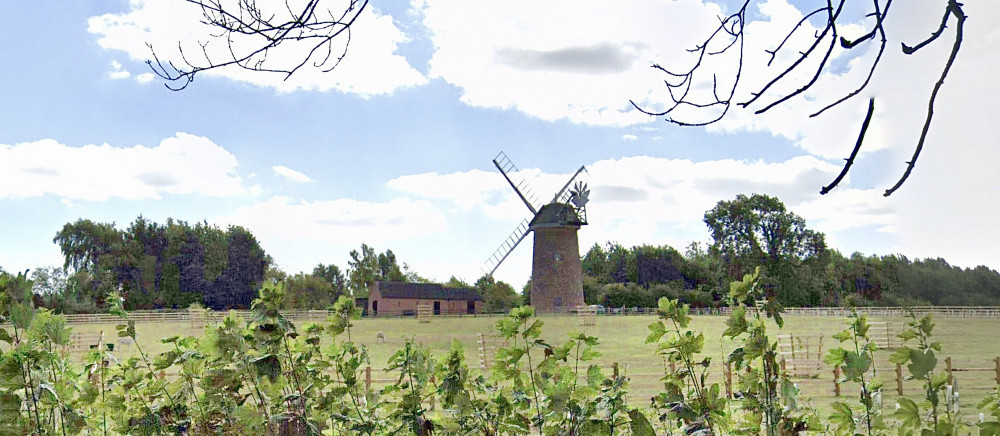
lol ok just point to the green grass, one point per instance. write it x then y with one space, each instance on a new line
622 340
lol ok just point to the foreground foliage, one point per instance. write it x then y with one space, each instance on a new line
267 376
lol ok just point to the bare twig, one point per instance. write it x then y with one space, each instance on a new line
831 27
680 83
266 32
730 27
879 17
954 8
854 153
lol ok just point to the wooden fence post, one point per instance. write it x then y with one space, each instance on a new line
996 363
614 369
947 367
899 379
836 380
368 378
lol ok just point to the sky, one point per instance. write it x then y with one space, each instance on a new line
393 148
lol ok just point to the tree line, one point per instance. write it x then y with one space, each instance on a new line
797 267
152 266
177 265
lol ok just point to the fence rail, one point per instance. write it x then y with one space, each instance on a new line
167 316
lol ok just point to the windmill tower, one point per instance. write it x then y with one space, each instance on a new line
556 272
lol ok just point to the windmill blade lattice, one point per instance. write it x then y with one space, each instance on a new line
505 248
521 188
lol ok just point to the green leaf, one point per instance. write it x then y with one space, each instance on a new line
842 416
856 365
926 324
901 355
843 335
596 427
906 335
835 356
639 424
594 375
267 365
989 428
940 379
657 330
4 336
922 363
737 322
908 413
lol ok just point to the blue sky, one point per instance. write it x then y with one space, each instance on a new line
393 147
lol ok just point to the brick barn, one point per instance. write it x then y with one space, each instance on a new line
399 298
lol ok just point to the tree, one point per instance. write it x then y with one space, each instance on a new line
245 33
367 267
760 228
497 295
332 274
171 265
309 291
455 282
709 91
759 231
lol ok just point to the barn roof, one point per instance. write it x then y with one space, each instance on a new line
426 291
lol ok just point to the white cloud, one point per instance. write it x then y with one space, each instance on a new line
575 60
291 174
901 84
144 77
340 222
638 200
182 164
371 67
629 137
117 72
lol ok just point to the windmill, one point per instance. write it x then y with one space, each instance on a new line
556 272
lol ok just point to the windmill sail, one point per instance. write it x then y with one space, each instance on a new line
507 167
505 248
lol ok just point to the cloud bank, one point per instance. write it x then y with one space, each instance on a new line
182 164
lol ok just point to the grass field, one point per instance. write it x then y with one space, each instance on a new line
623 341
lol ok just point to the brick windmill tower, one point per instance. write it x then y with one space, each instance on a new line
556 272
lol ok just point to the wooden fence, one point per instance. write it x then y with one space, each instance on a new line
199 316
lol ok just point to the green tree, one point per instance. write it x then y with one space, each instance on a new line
497 295
309 291
759 231
331 273
367 267
455 282
171 265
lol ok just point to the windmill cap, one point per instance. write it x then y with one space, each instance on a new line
556 215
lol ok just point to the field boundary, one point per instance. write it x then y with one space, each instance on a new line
202 316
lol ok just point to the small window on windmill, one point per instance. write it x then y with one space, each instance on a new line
557 302
558 257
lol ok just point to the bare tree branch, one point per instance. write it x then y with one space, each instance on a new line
879 17
854 153
733 27
954 8
831 27
250 34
